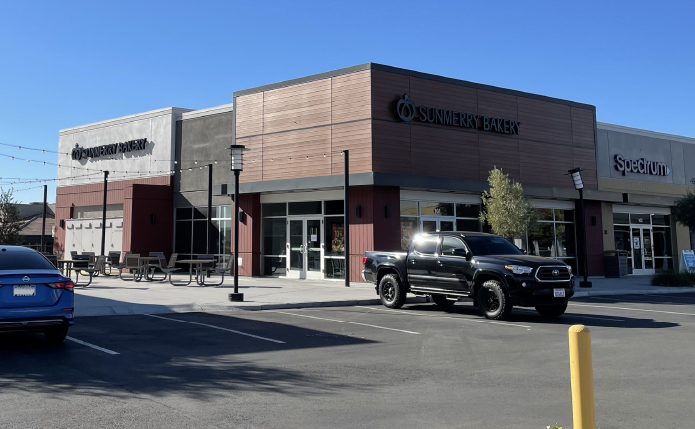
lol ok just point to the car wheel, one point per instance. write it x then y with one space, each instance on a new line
391 291
493 301
56 335
442 301
552 311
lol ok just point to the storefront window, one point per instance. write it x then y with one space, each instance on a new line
553 236
409 208
436 209
304 208
191 231
409 227
467 225
621 219
541 240
646 238
334 246
640 219
335 207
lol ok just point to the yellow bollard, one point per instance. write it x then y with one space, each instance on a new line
582 377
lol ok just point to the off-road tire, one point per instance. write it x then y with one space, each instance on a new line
441 301
56 335
493 301
391 291
552 311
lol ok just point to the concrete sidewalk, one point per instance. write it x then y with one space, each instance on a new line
112 296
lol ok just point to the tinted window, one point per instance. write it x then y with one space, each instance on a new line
307 207
275 209
426 246
449 244
491 245
24 260
467 210
335 207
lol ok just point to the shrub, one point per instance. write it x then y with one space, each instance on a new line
673 279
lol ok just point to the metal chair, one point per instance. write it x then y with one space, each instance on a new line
73 253
160 264
82 264
113 261
131 262
205 269
222 268
171 267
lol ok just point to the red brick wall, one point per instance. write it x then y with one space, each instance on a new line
594 240
119 192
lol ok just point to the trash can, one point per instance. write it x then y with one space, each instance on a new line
616 263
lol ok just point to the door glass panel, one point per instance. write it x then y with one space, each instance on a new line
446 225
640 218
429 226
636 248
296 245
313 244
647 249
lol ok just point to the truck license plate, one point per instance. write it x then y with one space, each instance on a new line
25 290
559 293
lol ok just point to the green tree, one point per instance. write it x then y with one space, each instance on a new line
9 219
684 210
505 208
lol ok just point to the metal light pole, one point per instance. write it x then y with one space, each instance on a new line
209 209
346 215
103 213
237 152
579 185
43 221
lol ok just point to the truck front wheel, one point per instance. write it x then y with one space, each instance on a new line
493 301
391 291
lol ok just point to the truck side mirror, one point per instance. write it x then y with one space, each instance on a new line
469 255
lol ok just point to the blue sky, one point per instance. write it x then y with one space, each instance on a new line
68 63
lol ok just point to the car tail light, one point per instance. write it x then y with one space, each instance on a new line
364 260
68 285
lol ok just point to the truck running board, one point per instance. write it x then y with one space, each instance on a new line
427 290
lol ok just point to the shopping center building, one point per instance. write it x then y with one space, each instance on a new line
420 151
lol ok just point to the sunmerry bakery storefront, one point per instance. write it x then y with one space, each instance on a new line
420 146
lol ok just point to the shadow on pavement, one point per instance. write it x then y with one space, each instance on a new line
656 299
162 357
528 315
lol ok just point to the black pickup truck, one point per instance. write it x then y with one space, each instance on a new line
486 268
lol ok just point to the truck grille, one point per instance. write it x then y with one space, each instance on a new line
553 274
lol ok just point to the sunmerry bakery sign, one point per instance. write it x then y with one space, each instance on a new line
79 153
407 111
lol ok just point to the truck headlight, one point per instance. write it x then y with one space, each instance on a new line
519 269
569 269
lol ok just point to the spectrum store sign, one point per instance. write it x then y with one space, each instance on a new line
640 166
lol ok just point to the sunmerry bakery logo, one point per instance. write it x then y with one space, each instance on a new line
79 153
407 111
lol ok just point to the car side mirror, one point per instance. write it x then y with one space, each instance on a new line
469 255
458 252
524 251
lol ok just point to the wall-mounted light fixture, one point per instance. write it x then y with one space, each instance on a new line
61 223
358 211
153 218
387 212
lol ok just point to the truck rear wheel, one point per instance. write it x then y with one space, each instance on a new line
493 301
552 311
391 291
441 301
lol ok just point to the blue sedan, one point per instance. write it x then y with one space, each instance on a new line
34 295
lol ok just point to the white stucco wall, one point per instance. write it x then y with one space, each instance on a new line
157 126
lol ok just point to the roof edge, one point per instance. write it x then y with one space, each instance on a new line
646 133
174 111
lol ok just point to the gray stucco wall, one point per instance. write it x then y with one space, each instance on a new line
204 138
677 152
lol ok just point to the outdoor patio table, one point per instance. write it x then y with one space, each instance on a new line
67 267
199 275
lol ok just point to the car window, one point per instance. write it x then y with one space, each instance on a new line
491 245
24 261
425 245
451 244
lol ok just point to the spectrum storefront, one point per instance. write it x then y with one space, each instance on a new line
421 147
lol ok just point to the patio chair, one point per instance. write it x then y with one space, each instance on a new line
53 259
131 262
221 268
113 261
159 265
82 264
73 253
171 267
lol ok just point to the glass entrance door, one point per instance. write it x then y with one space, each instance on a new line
642 251
305 248
435 224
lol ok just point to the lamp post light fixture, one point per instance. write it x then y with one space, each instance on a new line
579 186
237 152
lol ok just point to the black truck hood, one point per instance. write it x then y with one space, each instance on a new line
525 260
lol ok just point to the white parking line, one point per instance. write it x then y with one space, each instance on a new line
468 319
101 349
346 321
218 327
634 309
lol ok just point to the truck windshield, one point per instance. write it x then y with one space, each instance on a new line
487 245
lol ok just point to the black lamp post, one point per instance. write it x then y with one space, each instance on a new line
579 185
237 152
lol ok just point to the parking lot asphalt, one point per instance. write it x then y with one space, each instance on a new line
360 366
